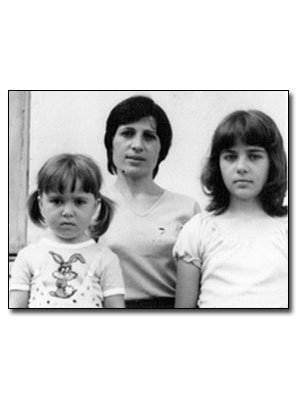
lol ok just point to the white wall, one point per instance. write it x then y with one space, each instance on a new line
74 121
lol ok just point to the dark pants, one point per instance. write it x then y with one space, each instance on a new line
155 303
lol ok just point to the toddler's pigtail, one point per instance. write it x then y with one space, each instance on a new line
34 210
103 219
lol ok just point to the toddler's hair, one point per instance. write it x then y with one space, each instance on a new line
66 171
250 128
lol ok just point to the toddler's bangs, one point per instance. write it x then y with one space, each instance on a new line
70 178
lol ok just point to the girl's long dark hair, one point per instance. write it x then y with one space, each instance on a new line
66 171
251 128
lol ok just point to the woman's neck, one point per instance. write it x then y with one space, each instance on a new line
134 187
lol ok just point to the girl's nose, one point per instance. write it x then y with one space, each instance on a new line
67 210
242 165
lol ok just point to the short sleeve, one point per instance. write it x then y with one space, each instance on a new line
21 273
189 245
111 278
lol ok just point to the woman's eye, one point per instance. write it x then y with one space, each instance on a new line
149 136
127 134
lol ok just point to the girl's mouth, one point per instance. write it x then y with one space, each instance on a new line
67 224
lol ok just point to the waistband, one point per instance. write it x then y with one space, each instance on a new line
154 303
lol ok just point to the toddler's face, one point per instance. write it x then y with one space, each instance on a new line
69 215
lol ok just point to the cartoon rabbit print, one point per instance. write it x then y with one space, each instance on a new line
64 274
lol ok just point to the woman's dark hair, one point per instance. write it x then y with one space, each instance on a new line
132 110
66 171
251 128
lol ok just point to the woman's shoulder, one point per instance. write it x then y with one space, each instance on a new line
110 192
105 253
179 198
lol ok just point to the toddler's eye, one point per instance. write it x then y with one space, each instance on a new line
56 202
79 202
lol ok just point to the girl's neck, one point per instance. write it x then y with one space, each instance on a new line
245 209
54 238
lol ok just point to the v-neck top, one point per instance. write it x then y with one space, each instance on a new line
144 242
117 193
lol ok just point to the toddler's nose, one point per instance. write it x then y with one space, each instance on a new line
67 210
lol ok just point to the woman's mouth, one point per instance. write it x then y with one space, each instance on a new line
135 158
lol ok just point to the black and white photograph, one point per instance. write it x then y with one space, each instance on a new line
149 165
148 199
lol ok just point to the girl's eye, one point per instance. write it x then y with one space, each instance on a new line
229 157
254 157
56 202
79 202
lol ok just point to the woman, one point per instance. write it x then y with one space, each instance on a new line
147 218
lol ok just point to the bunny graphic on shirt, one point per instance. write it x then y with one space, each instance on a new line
64 275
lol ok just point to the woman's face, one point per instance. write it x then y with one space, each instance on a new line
136 147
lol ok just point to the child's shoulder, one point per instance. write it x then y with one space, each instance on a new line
200 222
282 223
31 248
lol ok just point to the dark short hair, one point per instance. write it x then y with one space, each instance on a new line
251 128
67 170
131 110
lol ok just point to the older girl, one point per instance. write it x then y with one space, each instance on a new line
237 255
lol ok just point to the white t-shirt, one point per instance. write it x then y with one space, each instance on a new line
62 275
144 242
239 268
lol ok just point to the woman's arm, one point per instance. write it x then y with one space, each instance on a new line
187 287
18 299
115 301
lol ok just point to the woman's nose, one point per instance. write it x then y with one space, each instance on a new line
137 143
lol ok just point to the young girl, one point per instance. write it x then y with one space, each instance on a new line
236 256
68 269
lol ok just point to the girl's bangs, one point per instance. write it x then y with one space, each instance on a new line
246 131
70 178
